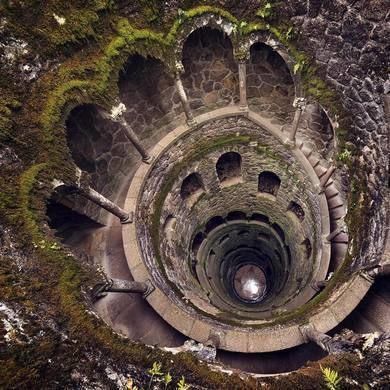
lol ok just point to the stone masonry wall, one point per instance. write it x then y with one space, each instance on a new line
150 96
269 84
269 154
211 72
100 146
350 44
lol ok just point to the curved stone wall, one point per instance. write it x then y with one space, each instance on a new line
151 222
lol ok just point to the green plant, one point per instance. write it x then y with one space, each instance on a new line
154 371
344 156
265 11
331 377
289 34
129 385
298 66
182 385
167 379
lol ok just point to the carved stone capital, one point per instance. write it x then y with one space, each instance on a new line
300 103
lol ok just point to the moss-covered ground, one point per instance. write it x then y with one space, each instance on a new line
81 45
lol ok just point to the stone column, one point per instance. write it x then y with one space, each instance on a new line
242 82
121 286
146 158
300 104
184 100
105 203
327 343
318 285
117 117
126 286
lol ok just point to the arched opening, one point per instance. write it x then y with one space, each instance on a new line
149 94
229 168
69 225
99 147
269 183
192 187
214 222
307 246
169 227
90 139
211 74
197 242
260 218
297 210
279 230
270 86
235 215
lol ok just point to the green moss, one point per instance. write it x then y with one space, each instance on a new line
91 75
68 280
27 182
62 25
8 105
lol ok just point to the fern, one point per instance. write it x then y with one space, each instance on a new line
265 12
331 377
182 385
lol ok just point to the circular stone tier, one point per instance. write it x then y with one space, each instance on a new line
230 228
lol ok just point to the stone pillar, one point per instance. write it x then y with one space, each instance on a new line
117 117
300 104
105 203
126 286
327 343
376 271
335 233
121 286
184 100
242 82
318 285
146 158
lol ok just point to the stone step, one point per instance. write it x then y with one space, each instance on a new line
313 160
320 171
341 238
338 252
334 202
331 191
337 213
306 150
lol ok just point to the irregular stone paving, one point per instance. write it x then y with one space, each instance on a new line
270 87
100 148
150 96
211 72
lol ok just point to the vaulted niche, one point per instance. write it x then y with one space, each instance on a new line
270 86
297 210
214 222
211 73
192 188
99 147
269 183
228 169
236 215
89 139
149 94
